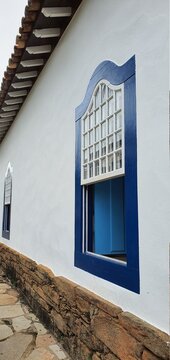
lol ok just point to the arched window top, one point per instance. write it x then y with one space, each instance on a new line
102 134
8 185
9 170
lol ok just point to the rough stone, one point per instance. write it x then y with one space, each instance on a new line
31 316
147 355
95 357
45 340
58 352
6 299
153 339
111 357
83 305
10 311
115 337
20 323
91 327
4 288
84 352
14 347
66 288
5 332
59 321
40 354
40 328
106 306
13 292
50 292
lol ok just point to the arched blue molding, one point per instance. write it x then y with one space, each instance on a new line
107 70
125 275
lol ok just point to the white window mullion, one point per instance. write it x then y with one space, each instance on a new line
102 150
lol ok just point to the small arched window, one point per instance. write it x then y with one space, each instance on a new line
7 203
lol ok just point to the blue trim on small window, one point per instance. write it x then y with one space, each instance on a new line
6 221
122 274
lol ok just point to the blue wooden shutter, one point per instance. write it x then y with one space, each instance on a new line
109 217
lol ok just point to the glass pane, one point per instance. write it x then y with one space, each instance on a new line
96 150
103 165
118 120
110 163
85 156
97 98
118 160
118 140
91 153
103 93
91 170
118 100
103 129
90 121
103 147
91 137
96 167
110 125
85 124
85 140
97 116
103 114
85 172
110 106
97 133
110 143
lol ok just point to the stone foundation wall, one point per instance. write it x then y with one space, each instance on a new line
89 327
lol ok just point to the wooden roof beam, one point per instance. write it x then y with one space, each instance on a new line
42 49
5 121
56 11
21 84
18 93
26 75
47 33
7 114
10 108
32 63
14 101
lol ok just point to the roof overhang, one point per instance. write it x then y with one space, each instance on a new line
41 28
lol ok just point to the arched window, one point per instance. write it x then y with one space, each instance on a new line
106 211
7 203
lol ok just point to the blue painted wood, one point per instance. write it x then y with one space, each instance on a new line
122 274
131 198
109 71
102 214
109 217
117 216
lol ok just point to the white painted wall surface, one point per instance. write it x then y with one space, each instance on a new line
40 147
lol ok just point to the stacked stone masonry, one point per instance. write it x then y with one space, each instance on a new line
89 327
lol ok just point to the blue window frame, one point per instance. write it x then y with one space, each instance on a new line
118 195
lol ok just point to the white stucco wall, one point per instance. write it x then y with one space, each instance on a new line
40 147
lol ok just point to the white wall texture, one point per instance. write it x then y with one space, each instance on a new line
41 146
